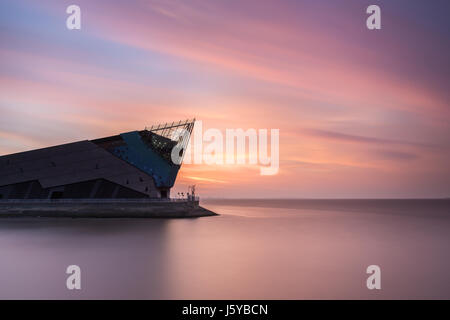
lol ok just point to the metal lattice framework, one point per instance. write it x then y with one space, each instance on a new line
166 130
165 144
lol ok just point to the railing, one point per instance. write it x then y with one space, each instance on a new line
90 200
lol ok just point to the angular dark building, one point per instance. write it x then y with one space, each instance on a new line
135 164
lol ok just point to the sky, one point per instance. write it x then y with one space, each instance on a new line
361 113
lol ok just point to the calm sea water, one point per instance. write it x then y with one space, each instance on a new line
256 249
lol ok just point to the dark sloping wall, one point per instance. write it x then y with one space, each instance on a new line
70 164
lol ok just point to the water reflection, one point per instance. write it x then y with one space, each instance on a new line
121 259
249 252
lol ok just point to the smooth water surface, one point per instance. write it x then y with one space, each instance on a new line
256 249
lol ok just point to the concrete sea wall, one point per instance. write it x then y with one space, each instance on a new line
114 208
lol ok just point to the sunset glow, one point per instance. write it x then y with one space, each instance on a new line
360 113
